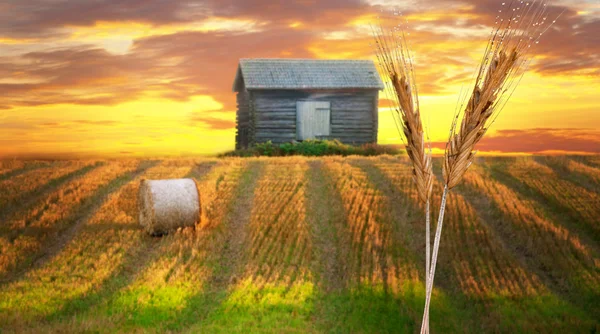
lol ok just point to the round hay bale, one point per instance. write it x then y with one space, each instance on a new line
166 205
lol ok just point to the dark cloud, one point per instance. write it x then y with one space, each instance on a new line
82 67
313 12
208 61
177 66
41 18
539 140
96 76
180 65
571 44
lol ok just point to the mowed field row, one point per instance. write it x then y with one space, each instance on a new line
300 245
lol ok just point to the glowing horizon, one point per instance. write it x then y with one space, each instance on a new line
120 80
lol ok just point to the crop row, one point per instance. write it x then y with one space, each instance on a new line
581 204
480 265
109 240
377 251
12 167
279 242
553 248
17 189
29 231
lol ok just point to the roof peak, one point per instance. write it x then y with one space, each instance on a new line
306 59
298 73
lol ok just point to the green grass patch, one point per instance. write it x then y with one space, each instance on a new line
148 307
250 308
370 309
313 148
537 314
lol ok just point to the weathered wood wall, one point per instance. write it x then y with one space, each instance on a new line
354 117
242 120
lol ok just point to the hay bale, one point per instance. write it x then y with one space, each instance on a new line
165 205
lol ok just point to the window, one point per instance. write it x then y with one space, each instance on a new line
313 119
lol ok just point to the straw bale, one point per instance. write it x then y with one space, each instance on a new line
166 205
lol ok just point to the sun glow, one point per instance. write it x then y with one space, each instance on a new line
140 86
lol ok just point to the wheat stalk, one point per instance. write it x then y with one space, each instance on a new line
395 60
505 60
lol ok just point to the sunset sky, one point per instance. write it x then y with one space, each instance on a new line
154 77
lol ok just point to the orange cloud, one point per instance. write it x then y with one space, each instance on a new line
539 140
60 61
212 122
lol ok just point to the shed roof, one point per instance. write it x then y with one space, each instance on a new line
307 74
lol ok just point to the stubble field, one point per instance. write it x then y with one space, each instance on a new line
300 245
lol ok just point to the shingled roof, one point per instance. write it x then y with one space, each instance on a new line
307 74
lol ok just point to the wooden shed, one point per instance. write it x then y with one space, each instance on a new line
282 100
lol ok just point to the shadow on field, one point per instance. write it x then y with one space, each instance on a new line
32 258
135 262
543 248
26 201
563 201
260 281
83 213
488 289
27 168
217 249
574 170
498 299
225 249
327 245
136 259
366 260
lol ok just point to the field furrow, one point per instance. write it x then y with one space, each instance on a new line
547 249
577 207
296 244
490 279
17 192
269 276
575 171
593 160
13 168
330 237
108 241
480 265
26 237
363 259
369 224
279 242
7 166
168 290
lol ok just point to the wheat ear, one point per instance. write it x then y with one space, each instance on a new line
395 60
505 60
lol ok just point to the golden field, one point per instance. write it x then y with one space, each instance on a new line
300 244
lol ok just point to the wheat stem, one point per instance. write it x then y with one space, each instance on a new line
436 247
427 252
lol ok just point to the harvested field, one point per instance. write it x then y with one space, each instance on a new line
300 245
